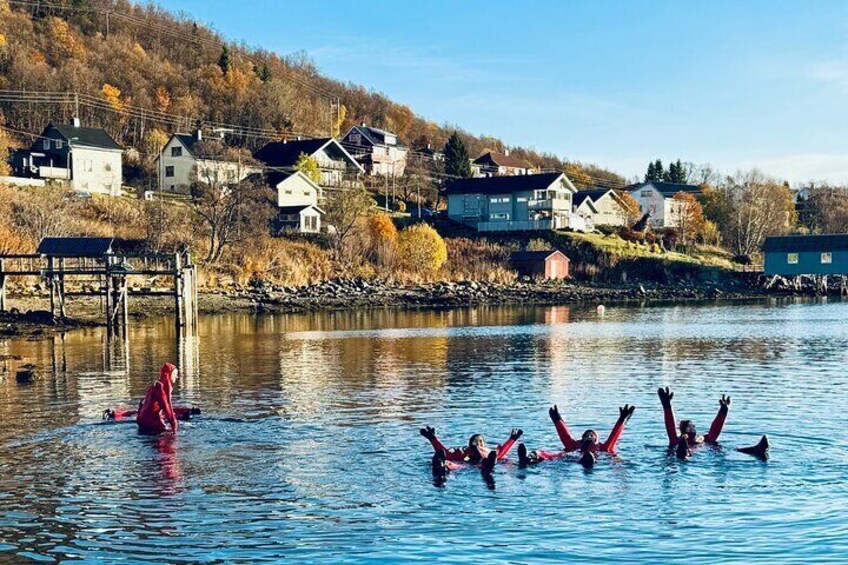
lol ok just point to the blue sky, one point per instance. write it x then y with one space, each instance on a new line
617 83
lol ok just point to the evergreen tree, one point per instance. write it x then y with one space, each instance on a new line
659 171
651 175
457 162
677 173
225 61
263 72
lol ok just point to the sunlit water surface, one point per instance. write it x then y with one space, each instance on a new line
328 465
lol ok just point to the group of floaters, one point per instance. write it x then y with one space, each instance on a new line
156 413
682 437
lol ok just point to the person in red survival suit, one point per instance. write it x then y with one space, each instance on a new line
183 413
688 438
588 445
476 453
155 413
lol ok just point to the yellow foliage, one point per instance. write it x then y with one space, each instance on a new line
2 41
422 249
154 140
381 229
307 165
337 123
139 50
162 98
63 40
112 94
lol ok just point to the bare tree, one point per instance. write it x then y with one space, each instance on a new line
345 215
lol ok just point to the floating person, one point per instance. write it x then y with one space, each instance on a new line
688 439
588 445
155 413
476 453
183 414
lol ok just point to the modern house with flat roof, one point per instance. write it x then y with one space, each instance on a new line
513 203
792 255
657 199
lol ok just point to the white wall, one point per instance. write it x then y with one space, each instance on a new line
296 191
96 170
610 212
651 200
183 166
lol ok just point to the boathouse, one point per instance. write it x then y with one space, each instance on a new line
551 264
793 255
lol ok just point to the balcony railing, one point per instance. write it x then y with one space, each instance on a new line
529 225
550 204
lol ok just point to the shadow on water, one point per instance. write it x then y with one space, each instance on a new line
308 447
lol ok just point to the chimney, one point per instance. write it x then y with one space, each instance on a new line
363 125
76 121
199 134
506 152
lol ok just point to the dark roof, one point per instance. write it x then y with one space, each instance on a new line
208 148
593 194
89 137
502 185
187 140
668 189
502 160
535 255
75 246
285 153
376 136
297 209
796 243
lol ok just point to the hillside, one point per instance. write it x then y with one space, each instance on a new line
138 69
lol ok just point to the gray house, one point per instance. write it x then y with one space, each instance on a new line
380 152
86 159
513 203
792 255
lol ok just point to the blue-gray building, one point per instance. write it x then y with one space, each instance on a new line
791 255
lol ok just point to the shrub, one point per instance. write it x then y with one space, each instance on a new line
421 249
400 206
382 239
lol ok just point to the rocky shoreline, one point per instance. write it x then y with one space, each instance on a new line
362 294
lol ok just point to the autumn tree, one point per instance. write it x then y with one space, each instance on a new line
825 210
307 165
687 216
345 214
749 207
629 209
421 249
382 239
457 161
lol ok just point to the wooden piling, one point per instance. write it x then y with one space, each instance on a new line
2 285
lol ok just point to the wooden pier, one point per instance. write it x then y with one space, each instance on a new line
94 270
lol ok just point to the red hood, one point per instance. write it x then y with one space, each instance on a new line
166 373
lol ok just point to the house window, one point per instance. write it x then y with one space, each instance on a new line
355 138
107 167
59 144
169 171
521 199
826 258
499 216
87 165
792 258
288 192
45 144
176 151
500 200
645 193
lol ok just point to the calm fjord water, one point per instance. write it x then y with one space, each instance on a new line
328 466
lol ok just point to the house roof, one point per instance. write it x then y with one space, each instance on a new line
798 243
286 153
275 178
502 160
190 142
75 246
375 136
592 195
536 255
88 137
291 210
502 185
667 189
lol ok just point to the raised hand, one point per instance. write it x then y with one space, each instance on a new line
515 434
553 412
725 402
665 396
625 412
428 432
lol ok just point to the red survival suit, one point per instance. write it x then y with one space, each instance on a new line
155 413
712 435
457 455
571 444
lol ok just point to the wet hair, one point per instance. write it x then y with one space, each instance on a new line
472 441
587 433
685 426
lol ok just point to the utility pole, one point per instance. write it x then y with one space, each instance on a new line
418 193
107 24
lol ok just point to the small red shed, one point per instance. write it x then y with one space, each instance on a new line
551 264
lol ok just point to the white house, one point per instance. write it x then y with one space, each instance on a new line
514 203
380 152
602 207
87 159
337 165
183 160
657 199
298 199
494 164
